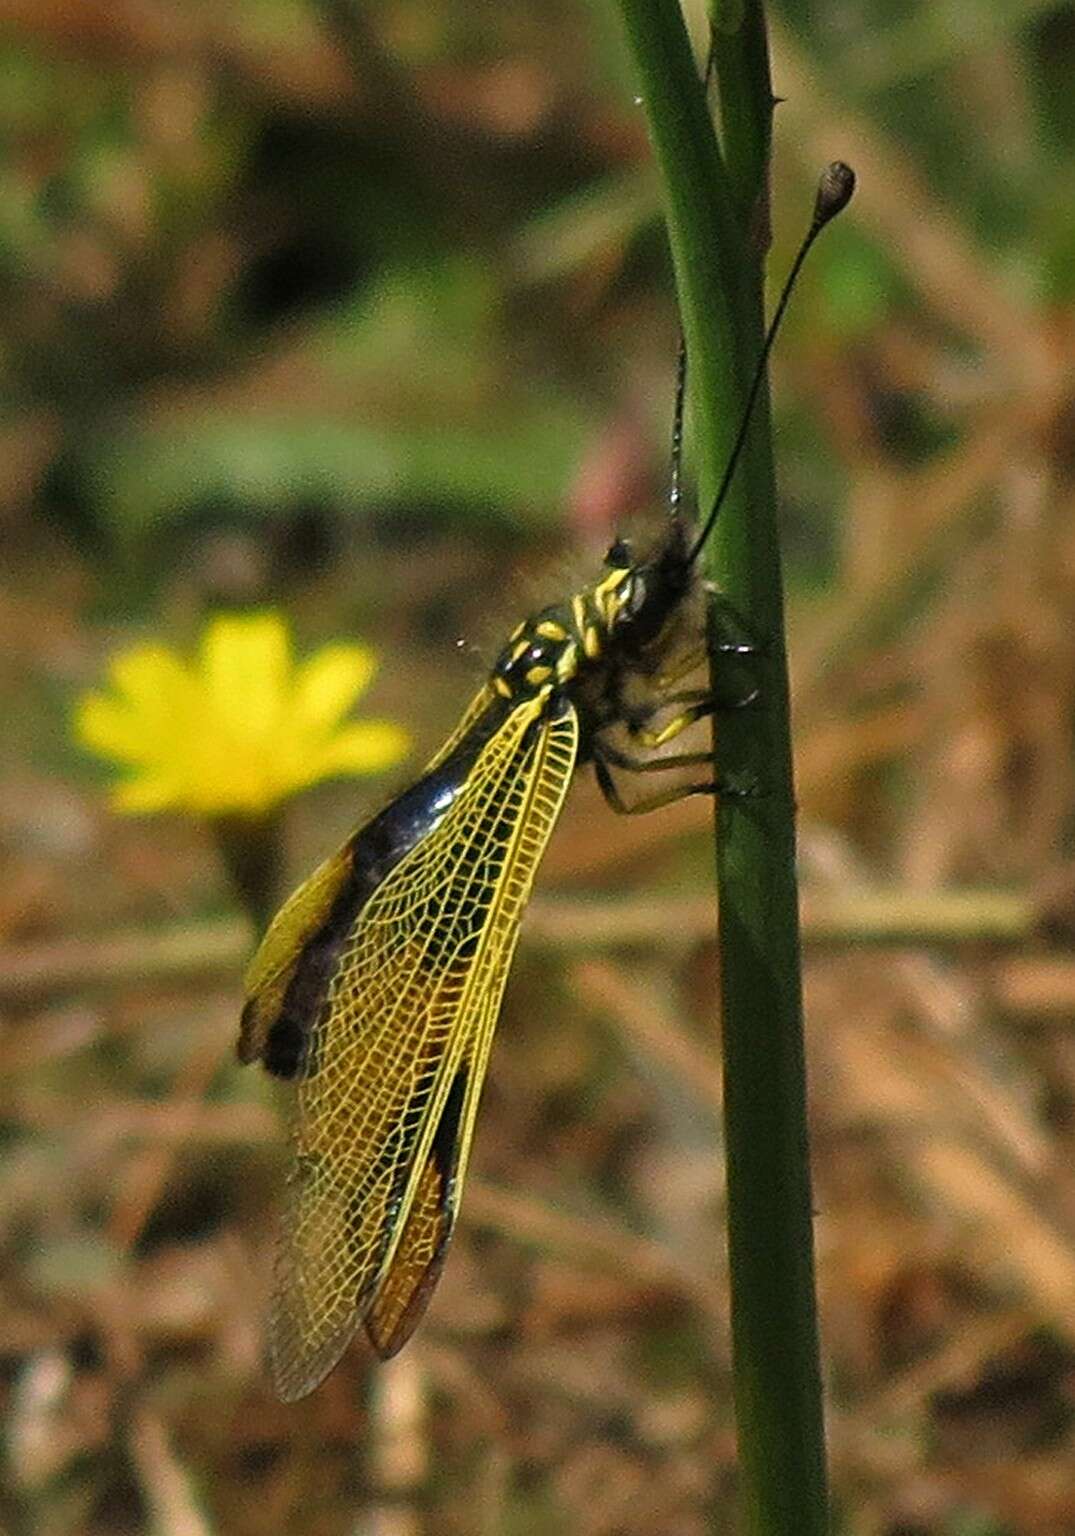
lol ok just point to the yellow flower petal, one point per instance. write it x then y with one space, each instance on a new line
112 729
245 667
329 683
147 793
368 746
240 729
153 694
150 676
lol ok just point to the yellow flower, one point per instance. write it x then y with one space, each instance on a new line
239 728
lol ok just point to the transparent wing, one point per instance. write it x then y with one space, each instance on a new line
396 1057
474 710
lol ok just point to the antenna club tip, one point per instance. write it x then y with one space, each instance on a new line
835 188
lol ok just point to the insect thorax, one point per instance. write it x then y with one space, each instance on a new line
622 622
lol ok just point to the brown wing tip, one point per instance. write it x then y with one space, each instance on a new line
388 1341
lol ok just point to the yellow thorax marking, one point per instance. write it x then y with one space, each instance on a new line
548 629
567 664
605 591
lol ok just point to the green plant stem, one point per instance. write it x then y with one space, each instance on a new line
702 227
745 102
718 228
252 850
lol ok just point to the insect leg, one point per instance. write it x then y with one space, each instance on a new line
606 757
613 757
698 703
733 640
649 802
638 721
686 663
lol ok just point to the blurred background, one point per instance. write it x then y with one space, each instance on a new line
364 311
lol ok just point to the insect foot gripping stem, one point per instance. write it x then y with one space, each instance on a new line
733 633
738 787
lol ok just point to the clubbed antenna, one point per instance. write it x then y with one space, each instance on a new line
835 188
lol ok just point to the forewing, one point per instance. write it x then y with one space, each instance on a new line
396 1058
270 971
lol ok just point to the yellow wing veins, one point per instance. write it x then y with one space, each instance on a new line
414 996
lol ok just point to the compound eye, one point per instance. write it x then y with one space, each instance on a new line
619 555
